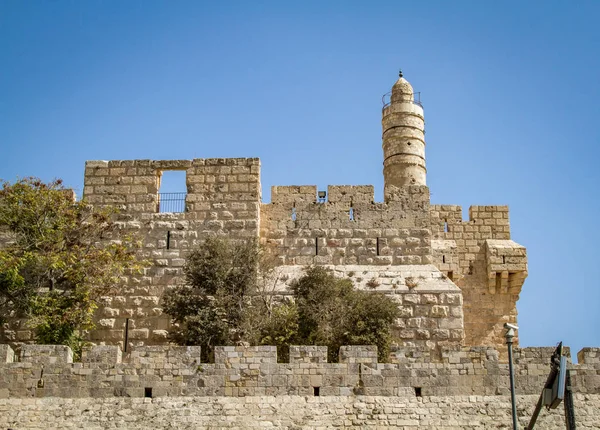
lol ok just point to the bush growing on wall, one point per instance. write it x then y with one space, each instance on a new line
331 312
229 299
55 264
210 309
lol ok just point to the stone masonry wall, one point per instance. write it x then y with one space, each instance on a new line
347 231
223 199
158 371
168 387
430 305
480 258
348 228
290 412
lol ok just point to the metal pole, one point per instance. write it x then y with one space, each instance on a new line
569 408
126 335
510 334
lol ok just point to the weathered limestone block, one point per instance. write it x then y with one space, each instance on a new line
589 356
245 354
355 354
308 354
46 354
7 355
299 194
445 256
159 356
102 354
350 194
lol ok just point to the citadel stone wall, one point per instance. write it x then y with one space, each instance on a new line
414 252
290 412
480 258
158 371
456 282
347 228
168 387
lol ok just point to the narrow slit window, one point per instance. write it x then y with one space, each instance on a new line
351 213
316 246
172 191
377 247
503 259
294 213
443 258
126 335
446 229
168 239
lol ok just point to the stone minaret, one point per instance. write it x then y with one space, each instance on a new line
403 139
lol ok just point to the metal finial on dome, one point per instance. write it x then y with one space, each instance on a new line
400 73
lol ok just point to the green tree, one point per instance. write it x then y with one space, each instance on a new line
230 298
332 313
210 309
55 263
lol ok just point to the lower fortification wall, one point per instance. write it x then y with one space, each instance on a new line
289 412
168 388
241 371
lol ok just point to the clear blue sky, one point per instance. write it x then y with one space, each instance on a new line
511 94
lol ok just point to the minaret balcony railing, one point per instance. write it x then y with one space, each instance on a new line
386 99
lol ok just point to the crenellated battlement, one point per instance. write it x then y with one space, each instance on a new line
480 257
155 371
402 241
455 282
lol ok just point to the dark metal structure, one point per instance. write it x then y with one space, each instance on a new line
510 334
557 389
171 202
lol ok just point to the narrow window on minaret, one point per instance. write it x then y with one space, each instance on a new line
294 213
351 213
443 258
446 229
378 246
316 246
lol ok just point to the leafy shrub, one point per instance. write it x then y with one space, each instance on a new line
230 299
56 265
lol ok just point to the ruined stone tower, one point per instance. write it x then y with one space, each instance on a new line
403 138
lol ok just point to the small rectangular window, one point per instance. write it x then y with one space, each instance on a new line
172 191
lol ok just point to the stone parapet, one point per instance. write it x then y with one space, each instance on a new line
348 228
249 371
